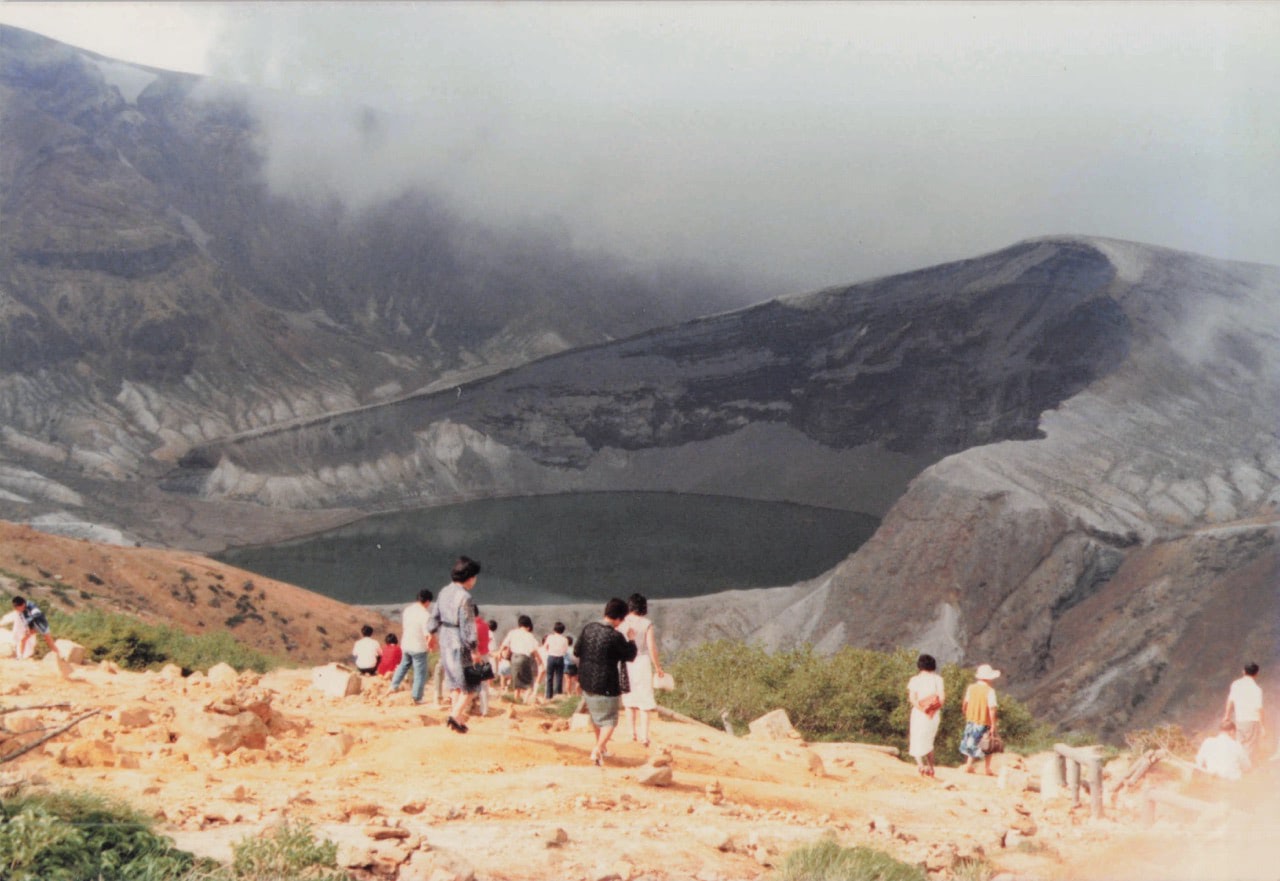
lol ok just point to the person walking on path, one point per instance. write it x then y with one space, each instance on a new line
601 649
980 712
453 620
36 622
525 660
1244 708
555 645
927 694
415 642
483 636
639 700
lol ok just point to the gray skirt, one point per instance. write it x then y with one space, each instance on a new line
522 671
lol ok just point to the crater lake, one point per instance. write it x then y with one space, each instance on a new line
574 547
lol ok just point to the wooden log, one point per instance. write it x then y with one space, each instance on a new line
1173 799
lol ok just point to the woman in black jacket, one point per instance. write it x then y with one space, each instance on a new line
600 650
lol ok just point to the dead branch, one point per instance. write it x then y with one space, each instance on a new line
5 710
9 757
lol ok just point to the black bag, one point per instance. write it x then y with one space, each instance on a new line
474 674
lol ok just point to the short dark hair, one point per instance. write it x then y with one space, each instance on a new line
638 604
425 596
926 662
465 569
366 630
1251 669
392 639
525 621
615 609
19 602
559 628
493 623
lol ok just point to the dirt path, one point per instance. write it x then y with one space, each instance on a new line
516 798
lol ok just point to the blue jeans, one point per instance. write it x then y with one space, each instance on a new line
419 662
555 676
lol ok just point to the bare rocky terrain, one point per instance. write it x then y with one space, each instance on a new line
220 757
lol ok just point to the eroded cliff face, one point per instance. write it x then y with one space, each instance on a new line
835 398
1125 565
155 293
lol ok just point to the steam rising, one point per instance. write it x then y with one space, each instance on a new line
810 143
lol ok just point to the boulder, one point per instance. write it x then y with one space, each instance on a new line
336 680
72 652
222 674
133 716
774 725
222 734
650 775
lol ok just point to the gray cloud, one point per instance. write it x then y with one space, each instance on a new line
814 144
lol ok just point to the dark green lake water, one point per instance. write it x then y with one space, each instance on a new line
570 548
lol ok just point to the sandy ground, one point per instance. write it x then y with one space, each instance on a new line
516 797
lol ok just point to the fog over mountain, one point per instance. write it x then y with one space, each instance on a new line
804 145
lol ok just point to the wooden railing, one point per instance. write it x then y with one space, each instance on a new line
1070 764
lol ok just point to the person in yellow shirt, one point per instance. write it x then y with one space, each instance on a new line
980 712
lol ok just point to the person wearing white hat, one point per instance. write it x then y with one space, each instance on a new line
980 713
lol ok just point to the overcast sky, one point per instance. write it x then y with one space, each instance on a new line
810 143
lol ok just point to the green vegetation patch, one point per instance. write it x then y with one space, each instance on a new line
87 837
137 645
825 860
74 837
852 695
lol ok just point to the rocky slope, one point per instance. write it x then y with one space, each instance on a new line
178 588
218 758
155 292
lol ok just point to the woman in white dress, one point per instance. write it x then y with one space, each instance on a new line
926 692
639 700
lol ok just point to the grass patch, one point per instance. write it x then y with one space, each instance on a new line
825 860
75 836
85 837
138 645
854 694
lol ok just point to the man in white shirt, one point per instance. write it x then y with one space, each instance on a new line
1222 756
415 642
1244 707
555 646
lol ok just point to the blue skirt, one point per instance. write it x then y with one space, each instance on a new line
969 740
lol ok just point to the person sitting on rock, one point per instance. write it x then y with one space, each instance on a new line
1222 755
391 655
366 652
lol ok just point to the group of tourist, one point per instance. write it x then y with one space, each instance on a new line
1237 747
927 694
1227 755
613 663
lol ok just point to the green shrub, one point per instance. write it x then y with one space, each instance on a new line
854 694
137 645
825 860
289 853
80 836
